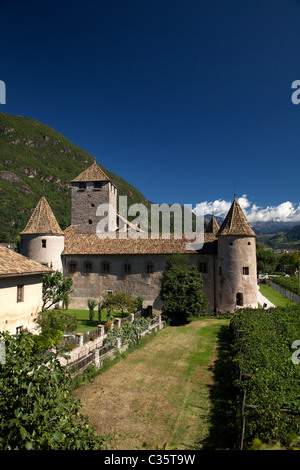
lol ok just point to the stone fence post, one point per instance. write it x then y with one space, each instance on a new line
97 359
117 322
101 328
80 336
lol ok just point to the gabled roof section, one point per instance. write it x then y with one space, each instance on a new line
236 223
213 226
93 173
77 243
14 264
42 221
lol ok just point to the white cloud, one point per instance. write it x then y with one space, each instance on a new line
284 212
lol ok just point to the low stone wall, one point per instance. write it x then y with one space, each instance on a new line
93 352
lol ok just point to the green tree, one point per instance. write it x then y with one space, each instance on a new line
288 262
56 288
100 308
121 301
181 289
266 260
52 324
91 305
37 411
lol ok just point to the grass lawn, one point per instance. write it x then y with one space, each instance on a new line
85 324
160 393
273 296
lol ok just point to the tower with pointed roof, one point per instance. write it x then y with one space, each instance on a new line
236 262
91 189
42 239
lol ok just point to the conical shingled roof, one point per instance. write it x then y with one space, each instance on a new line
236 223
212 226
93 173
42 221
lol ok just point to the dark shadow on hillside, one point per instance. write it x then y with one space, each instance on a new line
224 428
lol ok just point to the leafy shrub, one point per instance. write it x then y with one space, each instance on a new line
107 326
129 333
53 324
37 411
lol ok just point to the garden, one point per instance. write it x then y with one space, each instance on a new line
113 305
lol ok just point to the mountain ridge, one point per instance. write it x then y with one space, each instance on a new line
35 159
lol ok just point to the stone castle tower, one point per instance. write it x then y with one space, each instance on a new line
42 240
236 270
91 189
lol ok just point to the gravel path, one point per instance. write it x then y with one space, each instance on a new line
263 300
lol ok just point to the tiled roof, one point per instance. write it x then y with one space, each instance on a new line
91 244
236 223
42 221
212 227
93 173
14 264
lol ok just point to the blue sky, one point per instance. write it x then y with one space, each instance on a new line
188 100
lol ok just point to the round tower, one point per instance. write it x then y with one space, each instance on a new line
42 240
236 262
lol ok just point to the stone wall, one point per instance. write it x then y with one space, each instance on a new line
93 352
139 282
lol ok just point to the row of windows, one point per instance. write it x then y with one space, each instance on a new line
127 268
106 268
96 185
149 268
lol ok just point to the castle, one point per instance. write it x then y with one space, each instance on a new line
226 260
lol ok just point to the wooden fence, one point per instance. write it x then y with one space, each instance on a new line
286 293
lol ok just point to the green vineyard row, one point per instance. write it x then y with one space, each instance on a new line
266 357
